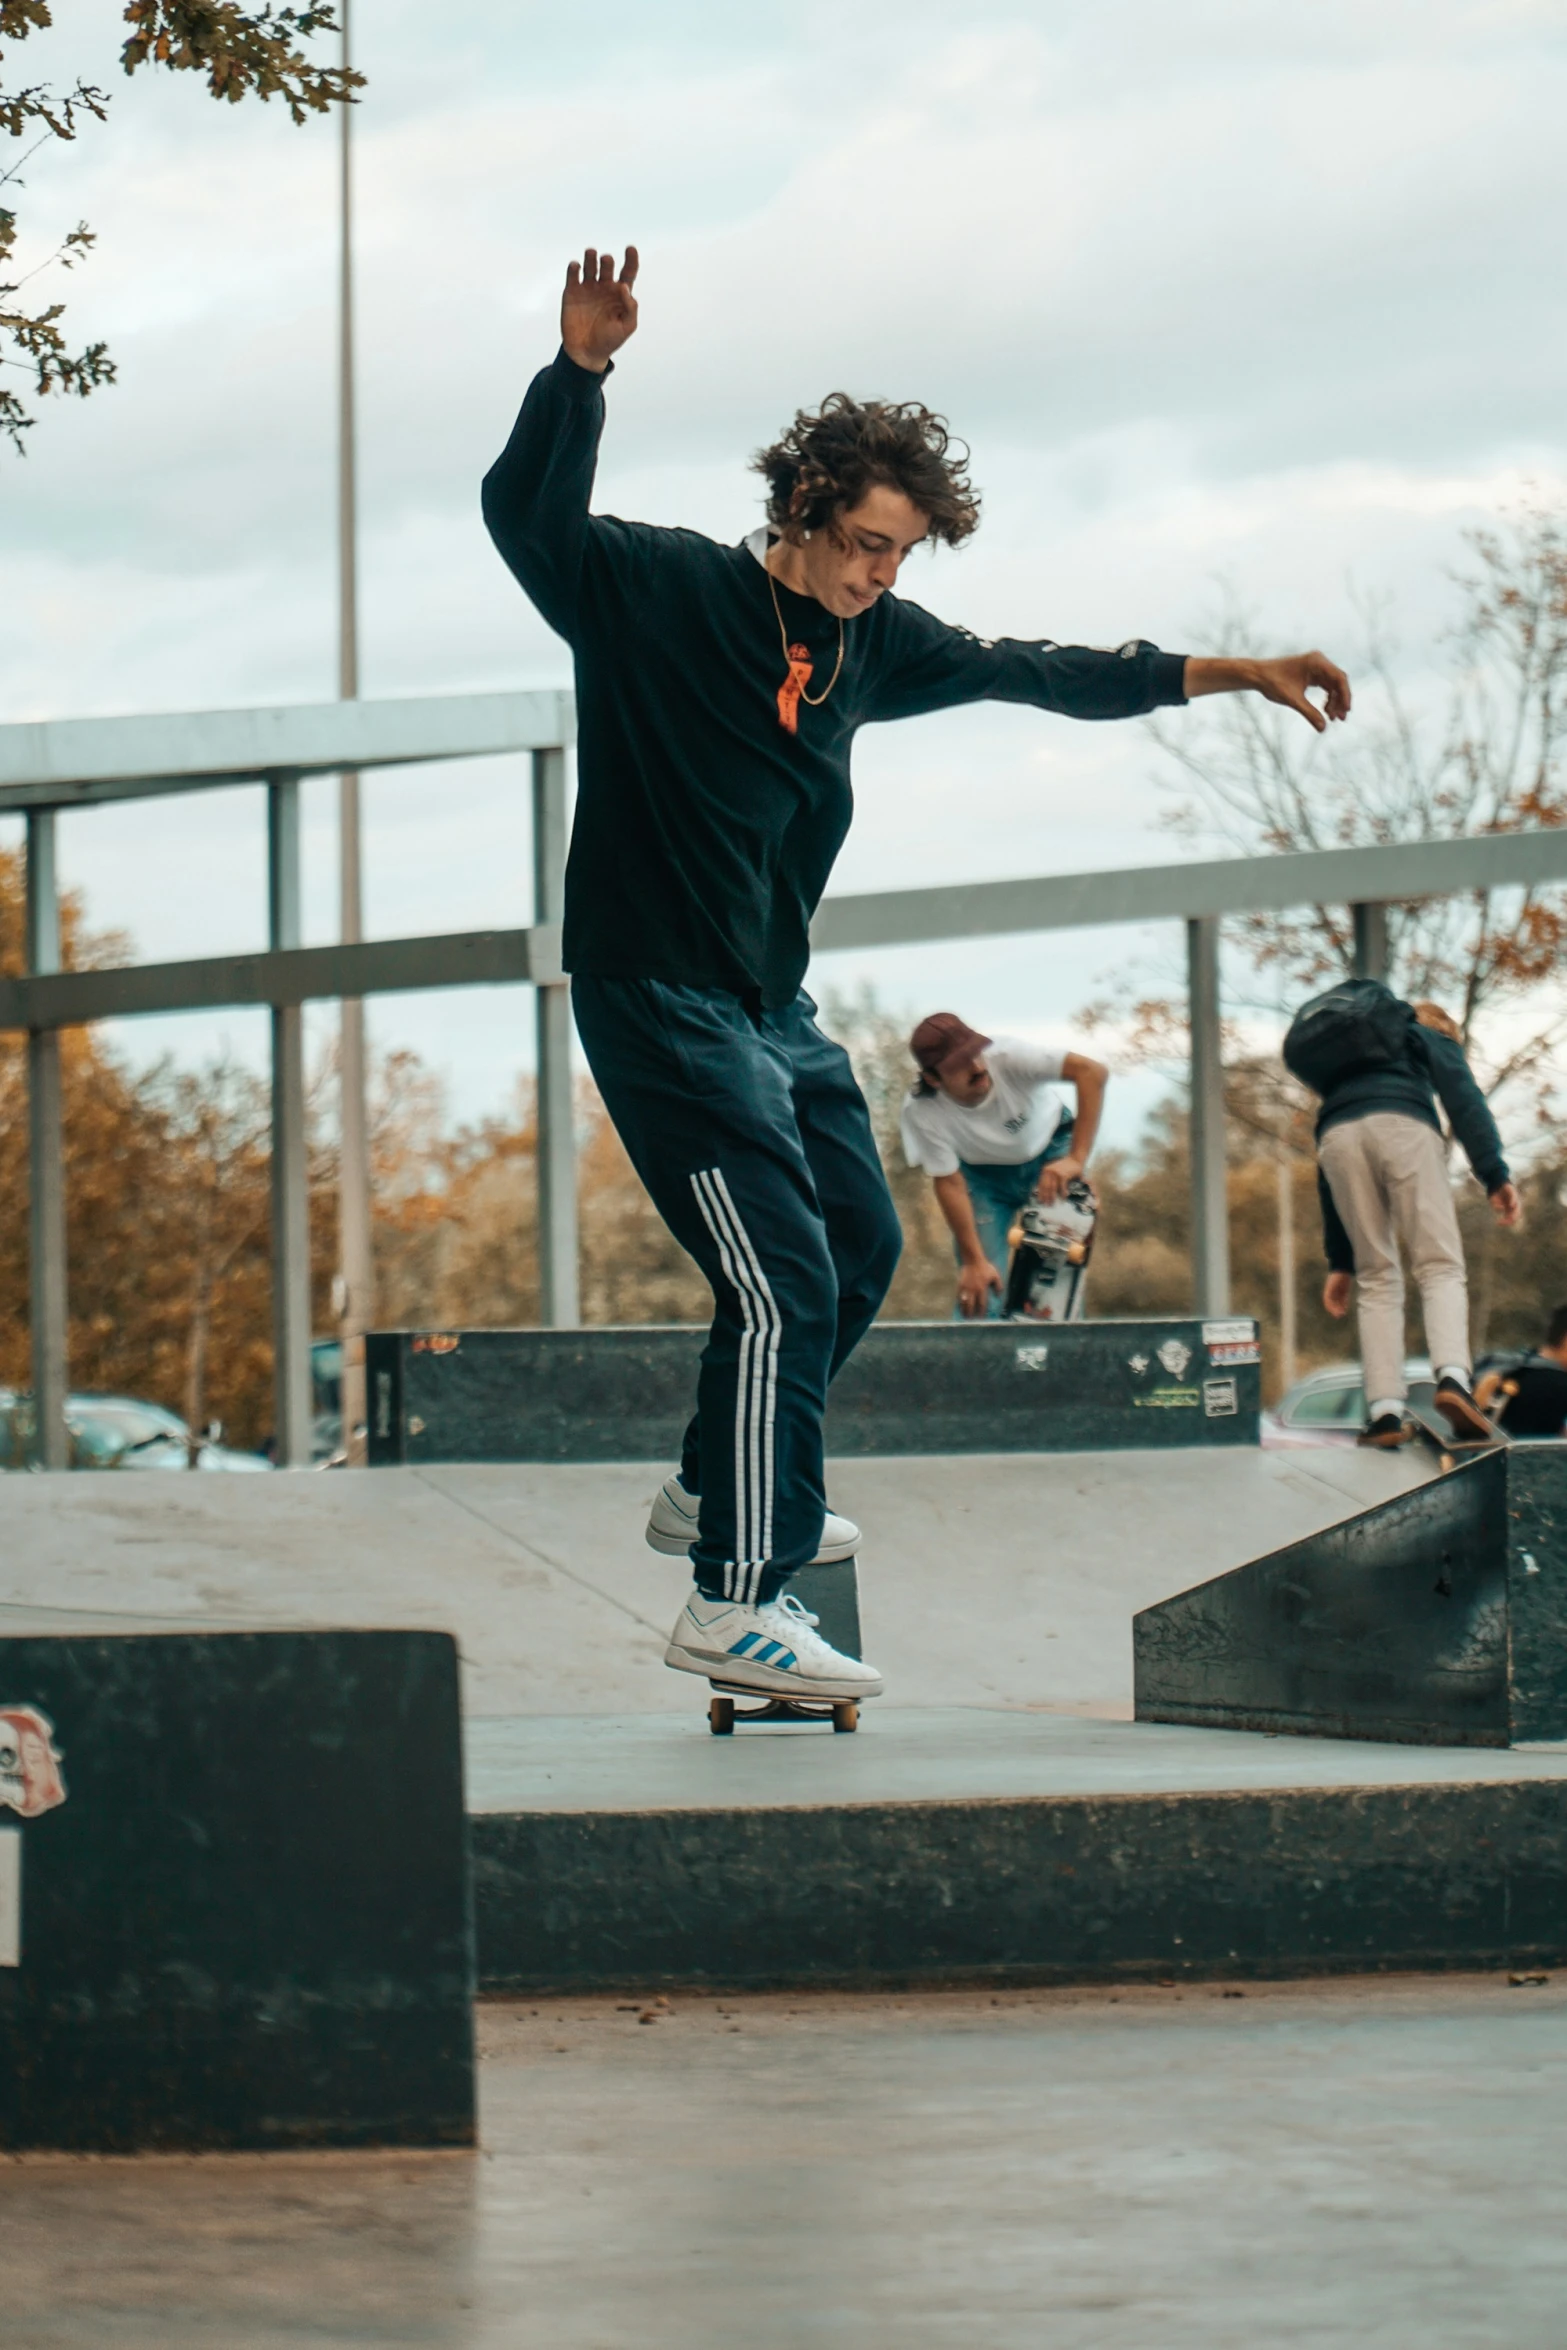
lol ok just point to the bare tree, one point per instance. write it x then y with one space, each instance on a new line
1490 760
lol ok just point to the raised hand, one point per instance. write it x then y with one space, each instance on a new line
598 310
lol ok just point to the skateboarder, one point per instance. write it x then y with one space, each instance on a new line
719 690
1382 1179
984 1119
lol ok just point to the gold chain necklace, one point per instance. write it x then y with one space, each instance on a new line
812 701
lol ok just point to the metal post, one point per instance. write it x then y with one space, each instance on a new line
559 1302
356 1264
1287 1318
290 1173
46 1159
1370 941
1210 1204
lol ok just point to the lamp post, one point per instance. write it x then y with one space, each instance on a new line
354 1289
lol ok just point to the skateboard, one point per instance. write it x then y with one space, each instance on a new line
1450 1452
724 1716
1051 1246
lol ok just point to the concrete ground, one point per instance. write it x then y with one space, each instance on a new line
1005 1580
1359 2165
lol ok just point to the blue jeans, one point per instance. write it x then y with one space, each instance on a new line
749 1131
998 1194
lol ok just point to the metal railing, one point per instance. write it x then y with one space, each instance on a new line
77 763
85 762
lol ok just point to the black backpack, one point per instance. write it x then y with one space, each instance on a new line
1360 1024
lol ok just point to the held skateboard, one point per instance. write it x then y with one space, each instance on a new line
1051 1245
724 1716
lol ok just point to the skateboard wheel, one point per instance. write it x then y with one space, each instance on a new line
846 1717
721 1717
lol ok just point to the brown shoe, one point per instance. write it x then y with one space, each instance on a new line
1387 1430
1463 1415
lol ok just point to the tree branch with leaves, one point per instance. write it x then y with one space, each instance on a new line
241 52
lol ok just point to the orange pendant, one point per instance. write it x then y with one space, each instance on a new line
793 687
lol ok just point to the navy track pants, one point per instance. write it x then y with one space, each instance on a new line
754 1141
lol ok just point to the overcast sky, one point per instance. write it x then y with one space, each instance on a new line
1229 298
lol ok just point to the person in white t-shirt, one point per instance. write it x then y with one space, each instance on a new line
986 1123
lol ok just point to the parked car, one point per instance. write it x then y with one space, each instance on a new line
117 1432
1328 1406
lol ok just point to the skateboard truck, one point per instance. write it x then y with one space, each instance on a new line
724 1716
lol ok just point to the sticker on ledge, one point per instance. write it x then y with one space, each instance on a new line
30 1780
1219 1399
1032 1358
1242 1333
1137 1365
1175 1357
1169 1399
1236 1352
437 1342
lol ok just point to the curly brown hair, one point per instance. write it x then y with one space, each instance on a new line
825 462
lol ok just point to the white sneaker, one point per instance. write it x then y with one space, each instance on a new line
775 1649
672 1521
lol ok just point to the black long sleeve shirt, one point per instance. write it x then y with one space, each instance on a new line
705 828
1433 1066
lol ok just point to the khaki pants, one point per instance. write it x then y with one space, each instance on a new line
1388 1177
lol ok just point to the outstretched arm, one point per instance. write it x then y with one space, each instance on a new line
927 665
1287 681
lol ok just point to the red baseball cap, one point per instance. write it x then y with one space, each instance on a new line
943 1038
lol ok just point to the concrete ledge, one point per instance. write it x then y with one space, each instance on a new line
1174 1853
910 1387
1086 1890
234 1899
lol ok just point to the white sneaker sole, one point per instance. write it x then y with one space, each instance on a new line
738 1672
678 1546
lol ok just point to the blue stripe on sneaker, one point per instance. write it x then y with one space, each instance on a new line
744 1645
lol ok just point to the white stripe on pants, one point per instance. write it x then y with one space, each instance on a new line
1388 1177
756 1386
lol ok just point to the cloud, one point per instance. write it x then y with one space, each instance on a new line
1218 295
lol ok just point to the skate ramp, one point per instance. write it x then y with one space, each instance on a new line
1438 1617
1006 1580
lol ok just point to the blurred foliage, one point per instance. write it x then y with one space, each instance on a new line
242 52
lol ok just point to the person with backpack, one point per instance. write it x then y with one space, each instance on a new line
1380 1066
